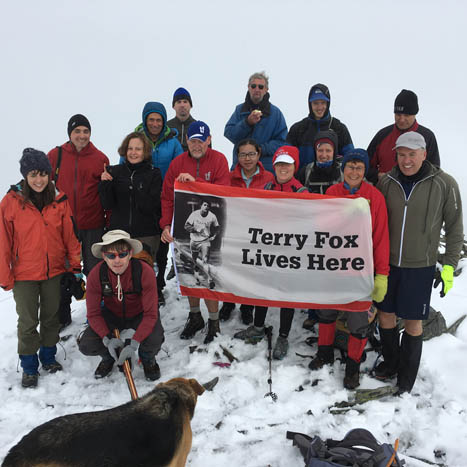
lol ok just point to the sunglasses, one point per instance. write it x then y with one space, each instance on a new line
121 255
253 86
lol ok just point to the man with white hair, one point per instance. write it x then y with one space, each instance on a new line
420 199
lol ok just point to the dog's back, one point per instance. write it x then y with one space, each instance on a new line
145 432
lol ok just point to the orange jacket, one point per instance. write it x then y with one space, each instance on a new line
34 244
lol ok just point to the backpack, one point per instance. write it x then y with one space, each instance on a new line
358 448
136 271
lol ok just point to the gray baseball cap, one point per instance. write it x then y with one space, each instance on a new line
411 140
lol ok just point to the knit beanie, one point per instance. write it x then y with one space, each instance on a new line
356 155
78 120
181 93
406 103
33 159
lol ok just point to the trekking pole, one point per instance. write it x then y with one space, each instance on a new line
127 373
268 332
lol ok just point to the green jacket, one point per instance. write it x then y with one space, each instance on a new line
415 222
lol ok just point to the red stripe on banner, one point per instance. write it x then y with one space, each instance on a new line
235 192
231 298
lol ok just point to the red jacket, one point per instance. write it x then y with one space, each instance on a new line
145 303
79 176
211 168
379 219
259 180
34 245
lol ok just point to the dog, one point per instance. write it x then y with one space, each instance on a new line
151 431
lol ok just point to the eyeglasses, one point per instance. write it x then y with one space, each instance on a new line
355 168
253 86
121 255
247 155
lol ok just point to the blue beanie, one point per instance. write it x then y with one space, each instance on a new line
181 93
33 159
356 155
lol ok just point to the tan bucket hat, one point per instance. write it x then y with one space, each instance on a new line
113 236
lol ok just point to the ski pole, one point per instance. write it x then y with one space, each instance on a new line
127 373
268 331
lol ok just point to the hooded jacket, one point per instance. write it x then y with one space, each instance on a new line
133 196
269 132
302 134
415 220
79 176
34 245
258 180
167 147
211 168
379 222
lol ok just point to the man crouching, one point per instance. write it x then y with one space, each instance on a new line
127 287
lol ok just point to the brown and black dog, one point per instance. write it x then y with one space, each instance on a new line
151 431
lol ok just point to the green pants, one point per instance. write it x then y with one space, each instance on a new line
30 296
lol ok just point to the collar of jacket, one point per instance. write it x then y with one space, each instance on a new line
264 105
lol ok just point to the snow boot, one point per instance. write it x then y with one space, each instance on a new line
226 310
352 373
47 358
213 330
246 313
30 365
325 356
309 323
410 355
251 335
104 368
29 381
152 372
387 369
281 348
194 323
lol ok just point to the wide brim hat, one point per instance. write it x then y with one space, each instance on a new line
114 236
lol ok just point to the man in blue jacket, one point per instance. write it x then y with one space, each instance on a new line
257 118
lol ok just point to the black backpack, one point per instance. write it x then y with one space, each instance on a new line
358 448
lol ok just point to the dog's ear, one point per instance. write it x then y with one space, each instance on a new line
196 386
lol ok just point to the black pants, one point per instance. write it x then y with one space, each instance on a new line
161 260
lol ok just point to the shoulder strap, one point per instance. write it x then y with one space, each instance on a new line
268 186
302 189
136 272
106 286
59 161
308 170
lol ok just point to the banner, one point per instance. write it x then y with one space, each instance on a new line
269 248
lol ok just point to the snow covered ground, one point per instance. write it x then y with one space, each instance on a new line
106 59
236 424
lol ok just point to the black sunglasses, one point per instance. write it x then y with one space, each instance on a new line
121 255
253 86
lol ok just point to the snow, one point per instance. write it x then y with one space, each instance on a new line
106 59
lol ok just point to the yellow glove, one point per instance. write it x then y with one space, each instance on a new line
446 277
380 288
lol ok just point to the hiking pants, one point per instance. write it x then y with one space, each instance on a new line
357 321
37 302
90 343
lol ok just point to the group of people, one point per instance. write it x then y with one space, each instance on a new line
120 216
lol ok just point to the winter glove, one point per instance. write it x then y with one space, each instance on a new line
112 344
380 288
129 351
446 277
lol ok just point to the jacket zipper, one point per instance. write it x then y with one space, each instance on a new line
131 202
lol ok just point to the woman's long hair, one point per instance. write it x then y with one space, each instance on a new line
42 199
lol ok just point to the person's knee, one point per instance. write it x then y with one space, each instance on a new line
90 344
413 327
386 320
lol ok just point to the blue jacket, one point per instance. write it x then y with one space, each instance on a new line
269 132
167 147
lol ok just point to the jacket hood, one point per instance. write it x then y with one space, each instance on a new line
291 151
327 134
325 90
154 107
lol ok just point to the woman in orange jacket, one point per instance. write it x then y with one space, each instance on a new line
37 245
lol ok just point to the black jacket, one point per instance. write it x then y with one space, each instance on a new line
133 196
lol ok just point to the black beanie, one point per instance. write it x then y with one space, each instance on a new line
181 93
33 159
406 103
78 120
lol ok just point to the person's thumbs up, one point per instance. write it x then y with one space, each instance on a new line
105 176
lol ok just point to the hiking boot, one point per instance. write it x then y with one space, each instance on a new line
152 372
309 324
281 348
325 356
352 373
226 310
213 330
171 273
160 298
383 372
251 335
29 381
246 313
194 323
52 367
104 368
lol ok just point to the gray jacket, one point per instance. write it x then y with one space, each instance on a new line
415 221
182 128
